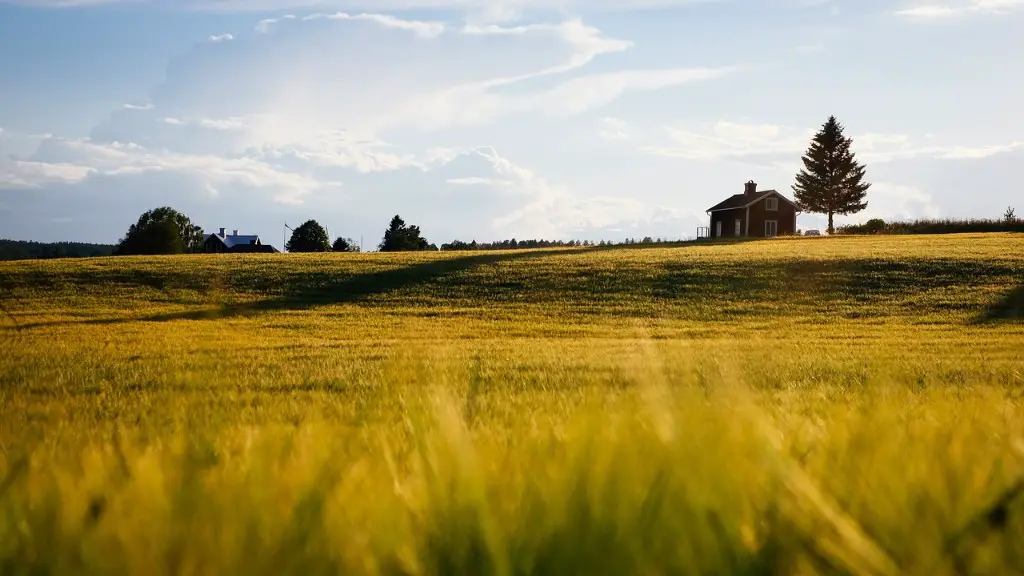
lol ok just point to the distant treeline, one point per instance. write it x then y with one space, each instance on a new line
23 250
946 226
513 244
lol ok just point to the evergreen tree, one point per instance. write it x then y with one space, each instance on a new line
309 237
161 231
401 238
831 182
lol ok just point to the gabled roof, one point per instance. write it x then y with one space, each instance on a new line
743 200
231 241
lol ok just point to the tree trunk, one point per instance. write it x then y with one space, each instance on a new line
831 229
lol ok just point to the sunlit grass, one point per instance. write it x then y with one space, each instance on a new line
842 405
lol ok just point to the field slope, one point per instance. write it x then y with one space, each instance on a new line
819 405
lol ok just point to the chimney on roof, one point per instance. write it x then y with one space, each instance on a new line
221 232
235 233
750 188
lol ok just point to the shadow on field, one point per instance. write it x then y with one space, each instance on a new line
321 289
1009 308
669 285
328 289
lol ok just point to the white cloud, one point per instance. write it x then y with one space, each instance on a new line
610 128
421 29
223 124
226 37
482 101
474 104
25 174
556 212
939 12
895 201
289 174
315 94
978 152
477 181
726 140
586 42
264 26
147 106
489 10
74 160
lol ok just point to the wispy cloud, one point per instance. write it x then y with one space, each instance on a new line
492 9
422 29
75 160
940 12
264 26
477 181
726 140
227 37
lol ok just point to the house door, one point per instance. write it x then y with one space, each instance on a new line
737 232
718 229
771 228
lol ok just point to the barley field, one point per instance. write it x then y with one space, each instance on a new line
846 405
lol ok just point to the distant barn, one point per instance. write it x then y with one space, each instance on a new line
753 214
235 243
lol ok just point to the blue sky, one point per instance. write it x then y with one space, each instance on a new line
490 119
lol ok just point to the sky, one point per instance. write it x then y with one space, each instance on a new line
494 119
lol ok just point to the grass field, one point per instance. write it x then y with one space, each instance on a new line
843 405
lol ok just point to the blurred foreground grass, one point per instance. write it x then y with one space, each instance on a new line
842 405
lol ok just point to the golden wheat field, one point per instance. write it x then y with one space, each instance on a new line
794 406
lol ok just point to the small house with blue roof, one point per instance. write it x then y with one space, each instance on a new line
235 243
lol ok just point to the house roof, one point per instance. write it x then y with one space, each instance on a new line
231 241
743 200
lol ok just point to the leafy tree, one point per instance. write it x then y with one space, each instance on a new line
874 226
161 231
831 182
1010 215
309 237
344 245
401 238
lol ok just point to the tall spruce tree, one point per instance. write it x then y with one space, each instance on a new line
402 238
832 182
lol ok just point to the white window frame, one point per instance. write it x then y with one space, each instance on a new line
772 204
738 228
718 229
774 225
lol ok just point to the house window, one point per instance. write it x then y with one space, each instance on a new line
737 232
772 204
771 228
